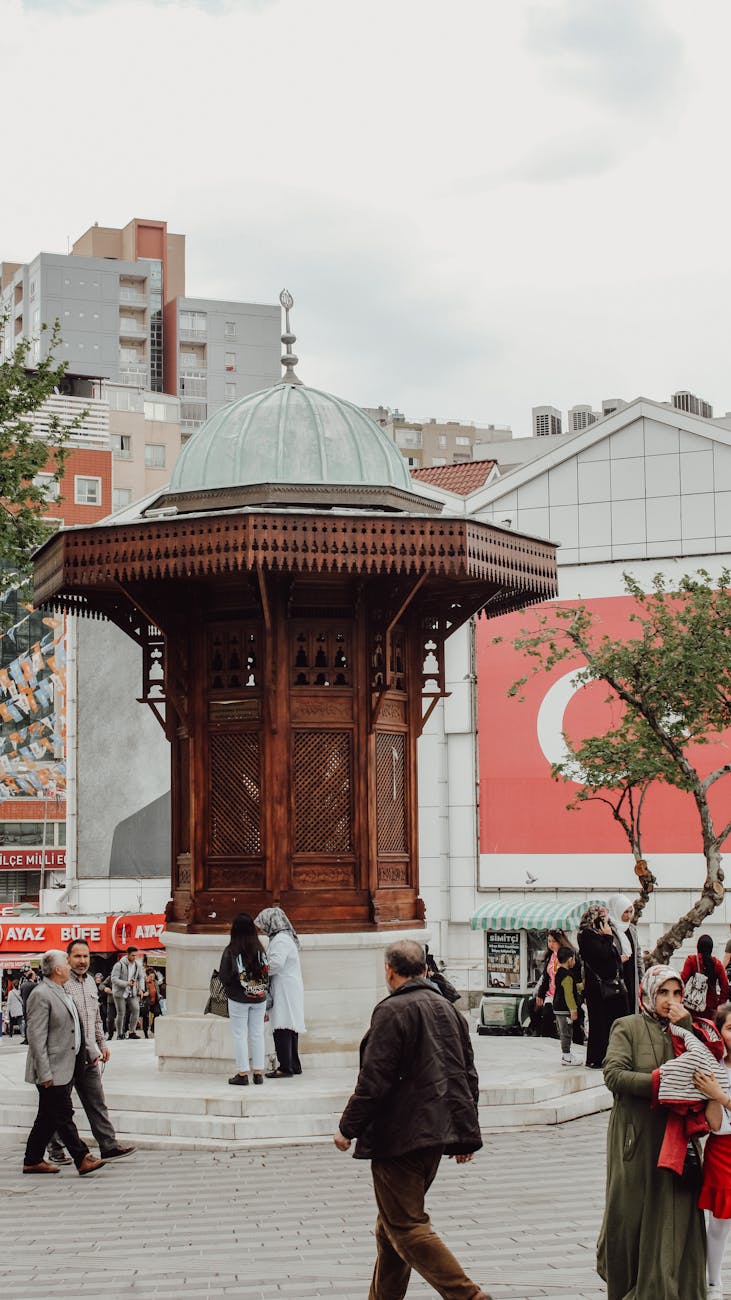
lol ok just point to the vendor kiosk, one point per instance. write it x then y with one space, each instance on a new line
516 933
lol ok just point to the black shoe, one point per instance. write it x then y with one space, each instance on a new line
116 1153
59 1157
279 1074
258 1078
133 1035
241 1079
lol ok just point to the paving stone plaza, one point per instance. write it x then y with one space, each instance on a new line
298 1222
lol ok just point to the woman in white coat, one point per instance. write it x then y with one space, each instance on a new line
287 1014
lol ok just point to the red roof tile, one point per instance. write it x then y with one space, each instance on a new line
463 478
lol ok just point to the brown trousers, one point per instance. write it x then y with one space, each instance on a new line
404 1235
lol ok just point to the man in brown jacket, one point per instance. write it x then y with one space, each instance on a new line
415 1101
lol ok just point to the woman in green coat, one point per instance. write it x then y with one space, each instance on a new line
652 1244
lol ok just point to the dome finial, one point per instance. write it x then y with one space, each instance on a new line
289 360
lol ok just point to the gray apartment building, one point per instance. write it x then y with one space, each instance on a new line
223 350
119 296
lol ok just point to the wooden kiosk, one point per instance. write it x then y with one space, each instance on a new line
291 594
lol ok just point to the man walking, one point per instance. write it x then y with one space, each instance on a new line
55 1039
87 1076
128 982
415 1101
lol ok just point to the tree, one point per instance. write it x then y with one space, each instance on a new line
617 769
24 455
672 678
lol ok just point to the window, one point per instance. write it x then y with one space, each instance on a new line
122 446
194 322
87 491
230 360
156 411
442 440
49 486
121 497
154 455
229 329
463 442
229 390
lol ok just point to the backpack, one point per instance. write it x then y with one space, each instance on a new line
696 992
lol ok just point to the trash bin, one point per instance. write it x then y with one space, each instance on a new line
503 1011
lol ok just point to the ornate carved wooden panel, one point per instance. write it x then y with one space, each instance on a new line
326 877
321 653
234 794
391 792
324 708
322 783
392 873
234 657
227 877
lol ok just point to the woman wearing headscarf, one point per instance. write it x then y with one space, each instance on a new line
287 1014
620 910
604 990
652 1239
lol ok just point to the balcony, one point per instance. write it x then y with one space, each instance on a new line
62 409
132 329
193 386
198 335
132 297
134 377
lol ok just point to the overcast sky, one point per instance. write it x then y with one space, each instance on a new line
479 205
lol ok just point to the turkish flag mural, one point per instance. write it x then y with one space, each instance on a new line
522 810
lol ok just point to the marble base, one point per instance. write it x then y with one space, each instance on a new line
343 976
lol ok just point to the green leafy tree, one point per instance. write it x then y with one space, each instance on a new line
616 770
24 455
672 677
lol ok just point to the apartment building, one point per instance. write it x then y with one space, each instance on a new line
546 421
119 297
432 442
219 351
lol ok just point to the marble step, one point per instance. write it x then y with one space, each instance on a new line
243 1125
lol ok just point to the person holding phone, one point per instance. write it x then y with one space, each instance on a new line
605 992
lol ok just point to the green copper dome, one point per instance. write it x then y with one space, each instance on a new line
289 434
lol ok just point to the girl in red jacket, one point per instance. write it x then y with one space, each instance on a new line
716 1190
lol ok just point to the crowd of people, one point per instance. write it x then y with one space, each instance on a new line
662 1038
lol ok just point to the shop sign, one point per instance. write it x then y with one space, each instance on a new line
103 934
503 958
37 859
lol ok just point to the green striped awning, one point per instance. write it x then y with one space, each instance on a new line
532 913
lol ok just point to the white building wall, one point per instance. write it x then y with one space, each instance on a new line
652 493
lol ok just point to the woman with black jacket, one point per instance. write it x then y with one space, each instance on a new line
602 969
245 977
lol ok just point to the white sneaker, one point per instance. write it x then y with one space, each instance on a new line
568 1059
715 1292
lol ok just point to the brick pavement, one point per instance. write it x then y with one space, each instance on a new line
291 1223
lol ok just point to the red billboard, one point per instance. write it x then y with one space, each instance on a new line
522 809
104 934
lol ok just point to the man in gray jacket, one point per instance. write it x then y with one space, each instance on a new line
128 984
89 1064
55 1039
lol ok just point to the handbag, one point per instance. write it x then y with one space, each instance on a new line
217 1004
254 990
613 988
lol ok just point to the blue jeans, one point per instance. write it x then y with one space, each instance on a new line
247 1025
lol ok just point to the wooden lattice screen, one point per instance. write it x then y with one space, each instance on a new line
322 780
235 795
391 792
